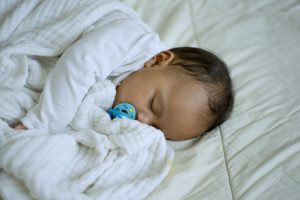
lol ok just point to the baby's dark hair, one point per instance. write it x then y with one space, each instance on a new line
210 70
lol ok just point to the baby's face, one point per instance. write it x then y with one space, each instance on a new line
168 100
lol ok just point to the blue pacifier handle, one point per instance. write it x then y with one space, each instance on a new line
122 110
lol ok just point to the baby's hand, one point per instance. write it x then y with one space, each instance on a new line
18 126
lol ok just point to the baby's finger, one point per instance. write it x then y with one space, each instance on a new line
20 127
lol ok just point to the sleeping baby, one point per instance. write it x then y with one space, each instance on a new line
185 91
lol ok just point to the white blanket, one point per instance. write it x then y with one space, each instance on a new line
95 157
102 158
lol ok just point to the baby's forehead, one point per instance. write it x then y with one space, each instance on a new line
190 97
187 116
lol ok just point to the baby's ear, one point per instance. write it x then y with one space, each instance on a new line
164 58
150 62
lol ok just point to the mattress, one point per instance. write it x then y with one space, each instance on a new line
256 153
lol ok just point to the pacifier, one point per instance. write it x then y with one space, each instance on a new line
122 110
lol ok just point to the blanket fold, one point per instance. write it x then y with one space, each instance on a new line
44 28
93 158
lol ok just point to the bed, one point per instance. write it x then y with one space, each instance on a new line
256 153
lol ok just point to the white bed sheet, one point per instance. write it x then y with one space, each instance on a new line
256 153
